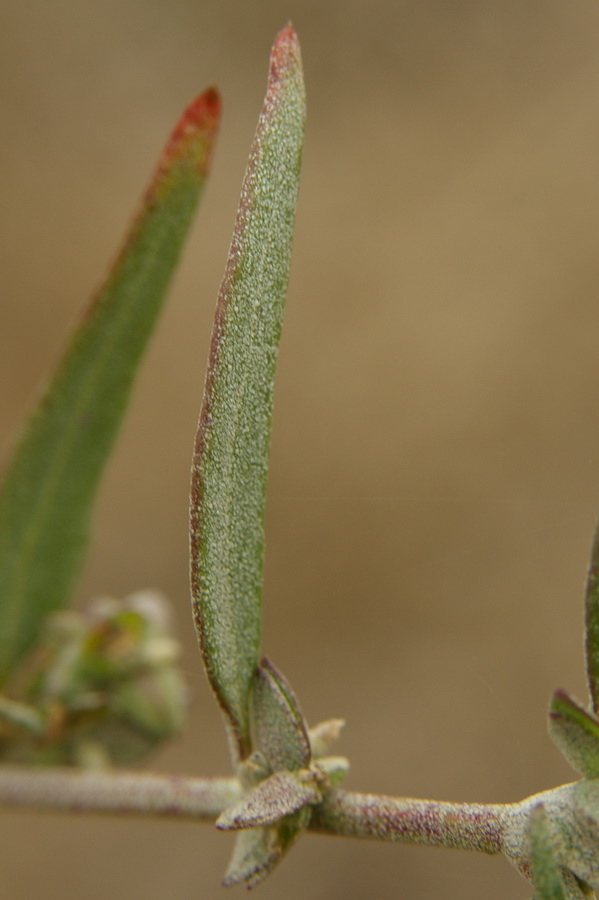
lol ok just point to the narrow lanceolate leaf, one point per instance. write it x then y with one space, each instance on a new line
278 724
546 871
591 641
231 453
576 733
50 486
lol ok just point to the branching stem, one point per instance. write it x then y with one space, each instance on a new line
468 826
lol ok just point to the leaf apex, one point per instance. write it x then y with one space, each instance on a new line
193 136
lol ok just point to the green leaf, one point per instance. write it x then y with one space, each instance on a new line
49 488
581 836
576 733
591 629
546 871
279 726
258 850
255 854
231 453
573 888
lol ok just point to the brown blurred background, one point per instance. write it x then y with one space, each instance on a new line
435 461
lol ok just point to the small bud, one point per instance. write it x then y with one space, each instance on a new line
105 678
323 736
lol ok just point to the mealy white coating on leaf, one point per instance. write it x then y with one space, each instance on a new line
231 460
274 798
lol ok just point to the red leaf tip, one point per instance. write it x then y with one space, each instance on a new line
286 49
202 114
199 120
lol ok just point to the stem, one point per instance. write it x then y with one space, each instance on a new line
465 826
115 792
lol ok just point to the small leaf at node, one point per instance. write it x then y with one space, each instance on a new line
582 837
277 796
279 727
255 854
546 871
258 850
576 732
